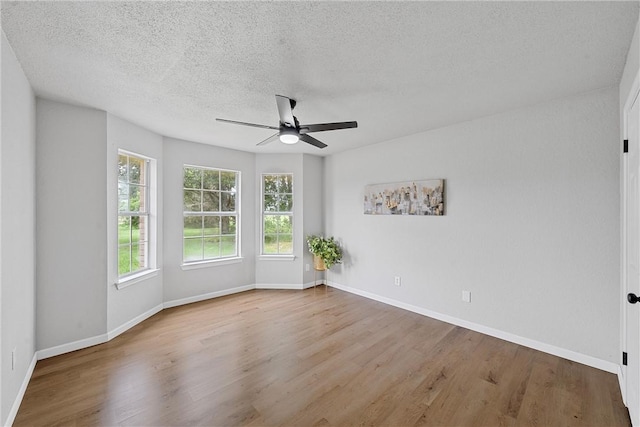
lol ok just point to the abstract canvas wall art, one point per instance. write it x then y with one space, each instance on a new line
424 197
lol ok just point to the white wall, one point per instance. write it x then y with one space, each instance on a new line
126 304
531 225
631 67
71 223
182 284
17 261
313 208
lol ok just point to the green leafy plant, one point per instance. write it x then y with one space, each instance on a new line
326 248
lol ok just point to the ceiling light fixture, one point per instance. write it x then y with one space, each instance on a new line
289 135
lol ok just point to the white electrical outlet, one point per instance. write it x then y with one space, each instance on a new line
13 359
396 281
306 267
466 296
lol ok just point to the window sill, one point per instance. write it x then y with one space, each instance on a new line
136 278
210 263
277 257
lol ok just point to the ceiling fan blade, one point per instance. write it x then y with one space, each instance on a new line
268 140
321 127
311 140
247 124
285 110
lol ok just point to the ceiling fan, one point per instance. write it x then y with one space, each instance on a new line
290 130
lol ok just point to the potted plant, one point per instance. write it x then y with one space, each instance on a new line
326 251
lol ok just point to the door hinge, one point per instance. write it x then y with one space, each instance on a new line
625 146
624 358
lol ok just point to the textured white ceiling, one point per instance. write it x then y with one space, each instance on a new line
396 67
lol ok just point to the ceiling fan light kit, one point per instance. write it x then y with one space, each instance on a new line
290 131
289 136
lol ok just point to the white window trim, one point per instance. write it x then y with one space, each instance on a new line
138 277
152 217
191 265
273 257
210 263
277 257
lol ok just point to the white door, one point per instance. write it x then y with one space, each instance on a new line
632 310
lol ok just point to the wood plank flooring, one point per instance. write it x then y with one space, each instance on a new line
319 357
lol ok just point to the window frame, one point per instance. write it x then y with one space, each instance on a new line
265 213
220 259
148 213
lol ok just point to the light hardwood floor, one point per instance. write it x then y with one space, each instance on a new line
319 357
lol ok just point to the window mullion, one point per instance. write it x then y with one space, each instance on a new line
133 214
130 246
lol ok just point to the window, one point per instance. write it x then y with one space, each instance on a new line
277 214
210 214
133 214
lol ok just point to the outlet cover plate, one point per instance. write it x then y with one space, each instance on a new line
466 296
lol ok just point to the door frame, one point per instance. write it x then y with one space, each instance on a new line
632 95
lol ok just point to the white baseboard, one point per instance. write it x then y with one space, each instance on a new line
289 285
99 339
23 388
207 296
133 322
279 286
72 346
623 386
312 284
536 345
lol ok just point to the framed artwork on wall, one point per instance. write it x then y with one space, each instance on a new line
425 197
